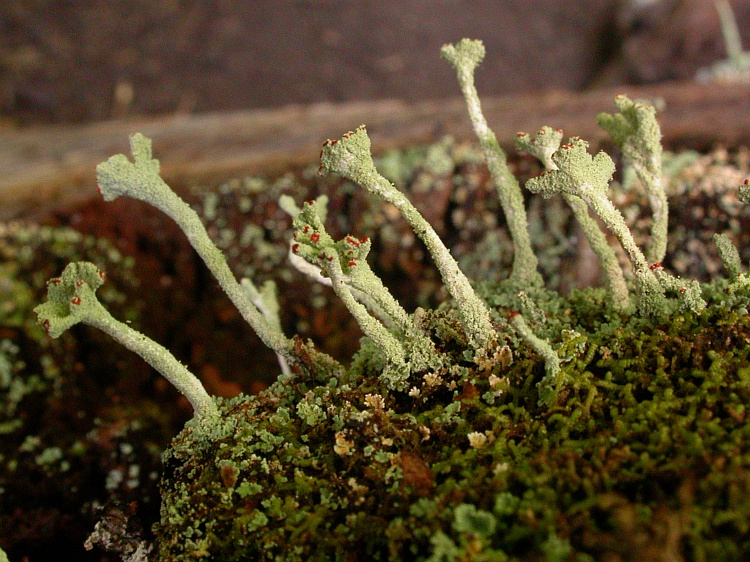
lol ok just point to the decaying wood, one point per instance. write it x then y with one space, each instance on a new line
43 166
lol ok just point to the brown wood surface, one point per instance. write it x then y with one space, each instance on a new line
54 165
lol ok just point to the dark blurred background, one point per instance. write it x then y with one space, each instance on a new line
89 60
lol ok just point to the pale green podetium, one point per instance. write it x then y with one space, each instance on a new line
343 266
730 257
543 145
552 381
140 179
636 132
587 177
71 298
465 56
736 67
350 157
315 245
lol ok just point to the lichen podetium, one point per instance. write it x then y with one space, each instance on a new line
511 423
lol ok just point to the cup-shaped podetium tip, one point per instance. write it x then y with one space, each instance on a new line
70 298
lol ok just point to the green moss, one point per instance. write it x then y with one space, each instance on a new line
650 433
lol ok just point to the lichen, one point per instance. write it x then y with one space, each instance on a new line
511 422
57 435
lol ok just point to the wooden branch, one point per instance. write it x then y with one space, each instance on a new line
54 165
